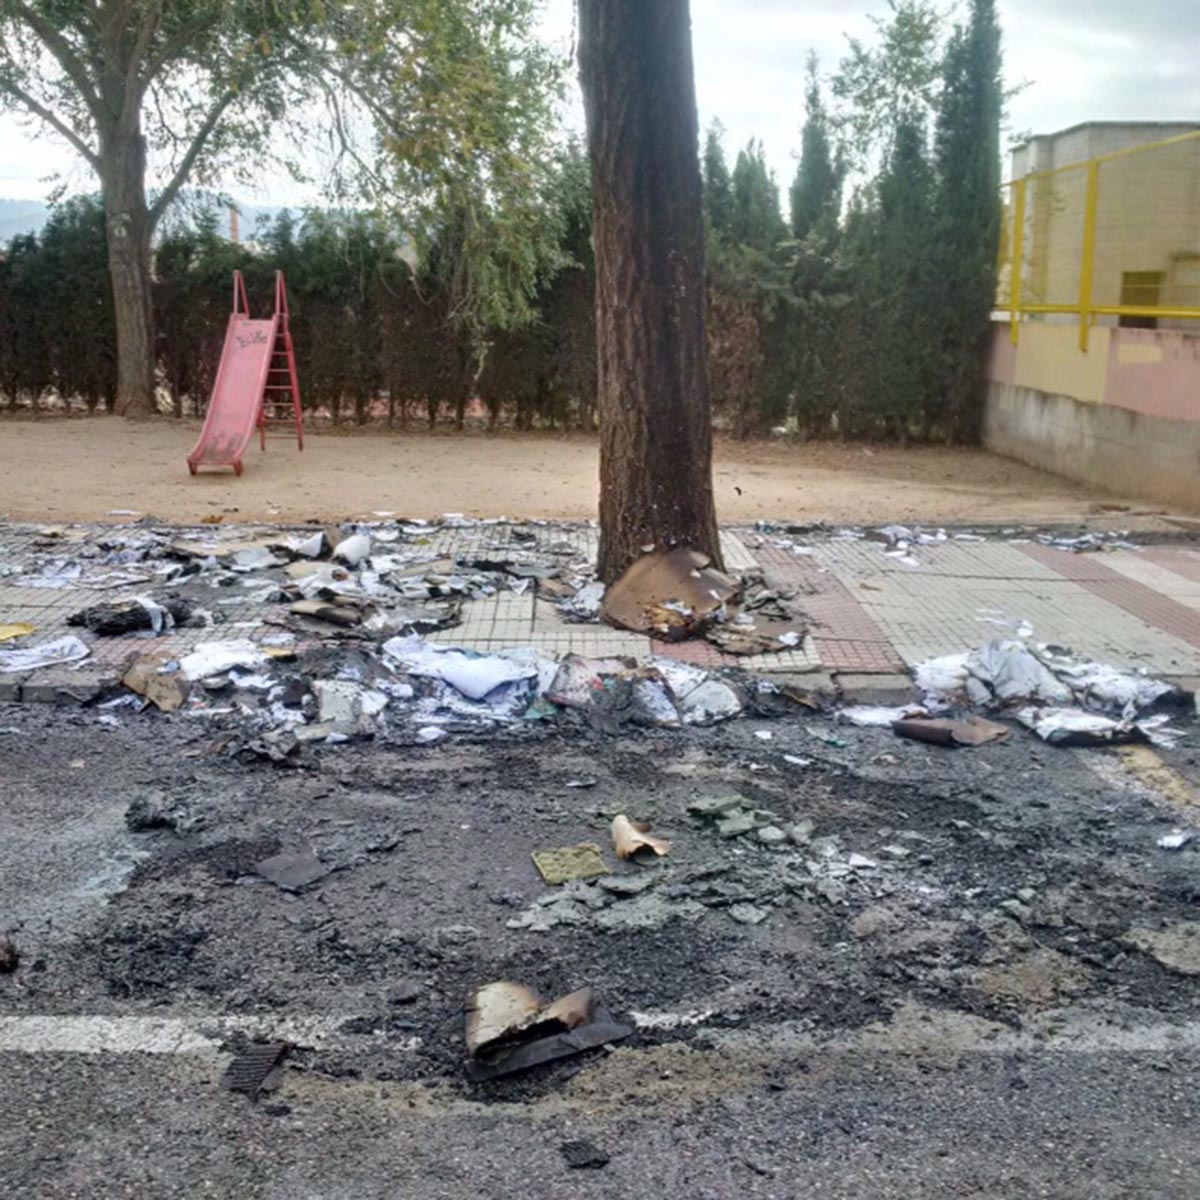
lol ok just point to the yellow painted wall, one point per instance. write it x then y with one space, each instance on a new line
1049 360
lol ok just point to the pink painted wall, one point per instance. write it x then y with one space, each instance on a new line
1155 371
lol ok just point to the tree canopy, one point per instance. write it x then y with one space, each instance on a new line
756 220
460 263
444 103
718 186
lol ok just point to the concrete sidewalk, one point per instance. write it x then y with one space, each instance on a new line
874 612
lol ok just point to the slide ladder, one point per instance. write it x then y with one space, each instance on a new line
256 386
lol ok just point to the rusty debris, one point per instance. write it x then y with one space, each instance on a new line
343 611
630 837
510 1028
165 690
943 731
505 1012
755 634
672 594
676 594
257 1069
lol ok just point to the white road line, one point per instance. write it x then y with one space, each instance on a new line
671 1020
103 1035
1083 1032
167 1035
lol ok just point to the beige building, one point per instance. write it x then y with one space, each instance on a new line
1147 232
1098 378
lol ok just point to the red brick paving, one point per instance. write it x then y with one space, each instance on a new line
1179 561
698 653
857 658
845 635
1157 610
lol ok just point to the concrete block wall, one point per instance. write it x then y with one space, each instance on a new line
1148 216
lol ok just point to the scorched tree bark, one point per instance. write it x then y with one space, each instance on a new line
635 59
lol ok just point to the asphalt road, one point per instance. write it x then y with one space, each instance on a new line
971 1018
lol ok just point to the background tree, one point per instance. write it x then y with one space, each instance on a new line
655 420
567 299
968 211
338 259
903 386
404 352
756 220
882 84
747 377
123 79
8 329
77 303
805 384
718 186
192 295
889 92
201 90
475 186
870 323
25 354
809 341
816 191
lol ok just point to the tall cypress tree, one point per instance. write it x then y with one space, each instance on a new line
968 212
816 189
905 384
718 187
757 220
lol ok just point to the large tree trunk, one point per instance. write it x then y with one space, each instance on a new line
635 59
123 175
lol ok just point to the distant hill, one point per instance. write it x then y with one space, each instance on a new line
28 216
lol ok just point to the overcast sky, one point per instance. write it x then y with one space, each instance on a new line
1085 60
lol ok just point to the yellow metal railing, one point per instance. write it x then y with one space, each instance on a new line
1117 235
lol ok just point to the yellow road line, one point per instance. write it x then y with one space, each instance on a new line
1150 770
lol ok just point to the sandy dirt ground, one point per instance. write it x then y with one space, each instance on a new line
85 468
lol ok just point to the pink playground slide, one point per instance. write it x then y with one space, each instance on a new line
256 385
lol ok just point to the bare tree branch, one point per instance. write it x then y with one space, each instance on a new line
378 110
189 159
67 59
55 122
346 147
164 125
